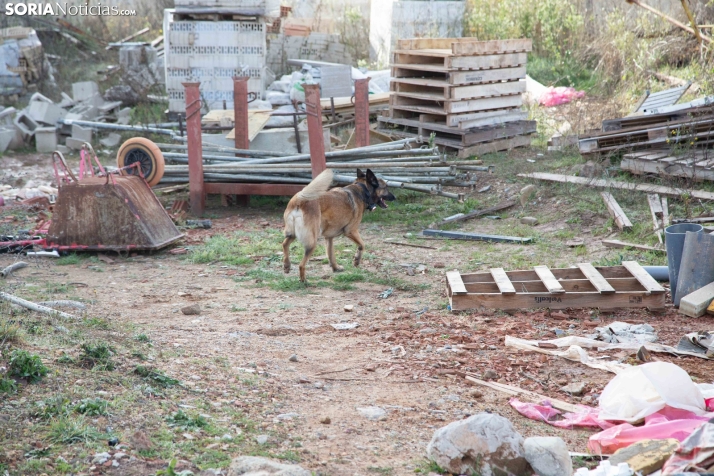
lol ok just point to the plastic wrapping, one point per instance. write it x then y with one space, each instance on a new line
560 95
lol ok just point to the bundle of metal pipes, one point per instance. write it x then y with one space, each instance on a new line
420 169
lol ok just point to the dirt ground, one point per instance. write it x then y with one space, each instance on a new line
264 350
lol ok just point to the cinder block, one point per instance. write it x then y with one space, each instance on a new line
46 113
81 133
87 111
6 115
111 140
75 144
62 148
96 100
46 139
26 124
84 90
7 134
40 97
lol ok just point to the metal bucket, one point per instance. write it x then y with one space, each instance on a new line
697 267
674 241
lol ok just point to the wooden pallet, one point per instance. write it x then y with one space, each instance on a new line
626 286
695 164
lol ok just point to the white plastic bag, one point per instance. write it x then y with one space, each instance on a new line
643 390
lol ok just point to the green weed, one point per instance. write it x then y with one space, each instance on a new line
155 375
10 331
68 431
97 356
8 385
142 338
183 421
68 260
52 407
27 366
92 407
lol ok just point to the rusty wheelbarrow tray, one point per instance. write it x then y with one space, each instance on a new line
106 211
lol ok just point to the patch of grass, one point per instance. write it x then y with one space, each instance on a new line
52 407
155 375
68 431
213 459
74 258
235 308
184 421
239 249
142 338
92 407
8 385
427 466
380 470
25 365
97 355
10 331
566 71
97 323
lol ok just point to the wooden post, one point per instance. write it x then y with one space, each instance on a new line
196 193
240 121
362 112
314 128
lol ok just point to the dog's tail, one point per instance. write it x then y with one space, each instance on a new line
317 187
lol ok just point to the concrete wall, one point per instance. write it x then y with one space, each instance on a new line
391 20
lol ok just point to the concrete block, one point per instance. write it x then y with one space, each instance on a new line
7 115
67 100
46 139
124 112
40 97
281 139
97 100
81 133
46 113
7 134
26 124
109 107
646 456
62 148
84 90
87 112
111 140
75 144
695 304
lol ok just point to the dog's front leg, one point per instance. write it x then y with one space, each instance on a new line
354 236
286 253
331 255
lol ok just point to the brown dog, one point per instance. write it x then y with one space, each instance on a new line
315 212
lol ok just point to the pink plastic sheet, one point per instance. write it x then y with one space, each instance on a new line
667 423
560 95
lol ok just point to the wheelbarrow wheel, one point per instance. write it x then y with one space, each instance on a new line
147 154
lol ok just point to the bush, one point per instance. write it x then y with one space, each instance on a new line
24 365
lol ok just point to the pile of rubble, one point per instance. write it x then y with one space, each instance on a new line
49 124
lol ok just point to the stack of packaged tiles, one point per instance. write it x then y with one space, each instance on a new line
467 93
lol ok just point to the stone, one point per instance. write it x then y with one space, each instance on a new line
349 307
484 444
101 458
46 139
140 441
262 439
532 221
591 169
293 358
81 133
475 393
325 420
526 193
548 456
46 113
646 456
73 143
490 374
372 413
226 437
84 90
111 140
256 465
575 388
439 265
192 310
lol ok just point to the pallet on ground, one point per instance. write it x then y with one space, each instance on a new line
425 88
463 121
411 75
466 137
626 286
694 164
432 104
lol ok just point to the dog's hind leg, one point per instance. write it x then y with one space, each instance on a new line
331 255
309 249
354 236
286 252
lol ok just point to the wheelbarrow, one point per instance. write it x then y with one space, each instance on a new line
106 210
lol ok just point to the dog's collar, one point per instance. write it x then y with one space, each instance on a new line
366 197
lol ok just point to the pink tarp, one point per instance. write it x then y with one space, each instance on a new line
560 95
666 423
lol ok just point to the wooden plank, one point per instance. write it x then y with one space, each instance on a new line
495 146
504 284
621 220
557 301
695 304
256 123
665 212
457 235
492 46
478 213
570 286
563 274
456 286
486 61
525 394
622 245
596 279
551 283
602 183
487 90
500 102
493 120
486 75
457 119
647 281
656 212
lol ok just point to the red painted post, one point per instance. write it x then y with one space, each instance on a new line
196 193
314 128
362 112
240 108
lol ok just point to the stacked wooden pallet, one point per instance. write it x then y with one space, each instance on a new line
468 93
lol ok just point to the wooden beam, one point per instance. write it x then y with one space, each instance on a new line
647 281
601 183
504 284
621 220
540 300
456 285
596 278
656 211
532 396
550 281
457 235
478 213
665 212
695 304
622 244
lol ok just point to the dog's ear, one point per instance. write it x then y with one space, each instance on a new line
372 179
360 174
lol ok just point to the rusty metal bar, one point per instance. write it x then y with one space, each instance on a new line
314 128
240 108
362 112
197 197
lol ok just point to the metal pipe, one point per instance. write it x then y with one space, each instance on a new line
227 150
429 190
333 165
116 127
